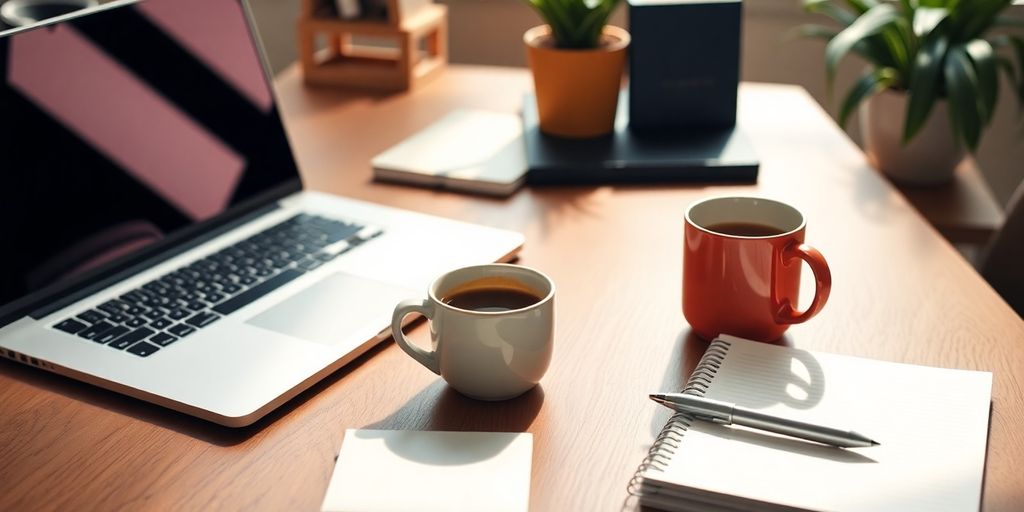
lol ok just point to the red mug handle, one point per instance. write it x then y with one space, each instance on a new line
786 313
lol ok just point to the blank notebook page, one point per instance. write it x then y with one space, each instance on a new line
397 470
931 423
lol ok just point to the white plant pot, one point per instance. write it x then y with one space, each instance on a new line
931 156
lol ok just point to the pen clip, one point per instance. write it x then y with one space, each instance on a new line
713 419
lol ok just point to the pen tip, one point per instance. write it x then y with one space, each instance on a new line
875 443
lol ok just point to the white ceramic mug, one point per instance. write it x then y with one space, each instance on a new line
487 355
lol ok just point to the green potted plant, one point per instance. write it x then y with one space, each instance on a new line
932 84
577 61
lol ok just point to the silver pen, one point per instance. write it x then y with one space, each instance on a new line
726 414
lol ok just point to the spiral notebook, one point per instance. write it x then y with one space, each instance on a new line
932 424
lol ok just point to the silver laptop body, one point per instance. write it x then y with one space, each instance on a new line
157 241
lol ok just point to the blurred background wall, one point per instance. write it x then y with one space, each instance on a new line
490 32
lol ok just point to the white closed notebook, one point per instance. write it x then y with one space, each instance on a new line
932 424
399 470
470 150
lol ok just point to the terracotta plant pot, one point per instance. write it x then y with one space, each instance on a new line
577 90
931 156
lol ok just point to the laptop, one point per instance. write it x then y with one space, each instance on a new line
156 240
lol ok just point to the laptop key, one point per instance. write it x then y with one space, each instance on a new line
309 263
92 316
163 339
136 322
143 349
181 330
110 334
70 326
202 319
133 296
129 339
154 313
177 314
161 323
137 310
113 307
254 293
95 330
119 318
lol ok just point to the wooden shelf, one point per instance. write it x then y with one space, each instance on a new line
417 30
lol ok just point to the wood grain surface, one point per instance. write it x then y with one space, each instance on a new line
900 292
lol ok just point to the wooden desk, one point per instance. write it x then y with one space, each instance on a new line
964 210
900 293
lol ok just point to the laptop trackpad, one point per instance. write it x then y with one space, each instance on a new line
335 309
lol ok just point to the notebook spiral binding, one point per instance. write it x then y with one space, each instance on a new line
667 442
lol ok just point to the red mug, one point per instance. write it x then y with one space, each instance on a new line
741 268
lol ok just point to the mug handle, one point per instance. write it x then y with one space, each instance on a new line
427 358
786 314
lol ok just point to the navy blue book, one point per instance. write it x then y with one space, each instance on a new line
693 156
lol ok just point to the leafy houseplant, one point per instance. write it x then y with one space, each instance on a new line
577 61
937 52
575 23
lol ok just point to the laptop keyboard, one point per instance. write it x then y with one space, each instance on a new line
175 305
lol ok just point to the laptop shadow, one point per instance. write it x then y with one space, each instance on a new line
166 418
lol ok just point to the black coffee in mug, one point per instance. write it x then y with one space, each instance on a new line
745 229
491 299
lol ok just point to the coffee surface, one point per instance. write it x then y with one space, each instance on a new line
745 229
491 299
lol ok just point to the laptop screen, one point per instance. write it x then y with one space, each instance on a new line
124 127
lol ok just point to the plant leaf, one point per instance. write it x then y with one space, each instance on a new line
862 6
816 31
900 43
826 7
868 85
924 83
867 25
930 3
962 88
983 57
927 18
554 13
976 16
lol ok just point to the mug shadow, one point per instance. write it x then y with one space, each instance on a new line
454 412
797 389
450 410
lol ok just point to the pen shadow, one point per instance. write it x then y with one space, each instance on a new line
788 444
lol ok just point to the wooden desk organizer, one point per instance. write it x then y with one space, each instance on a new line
417 28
